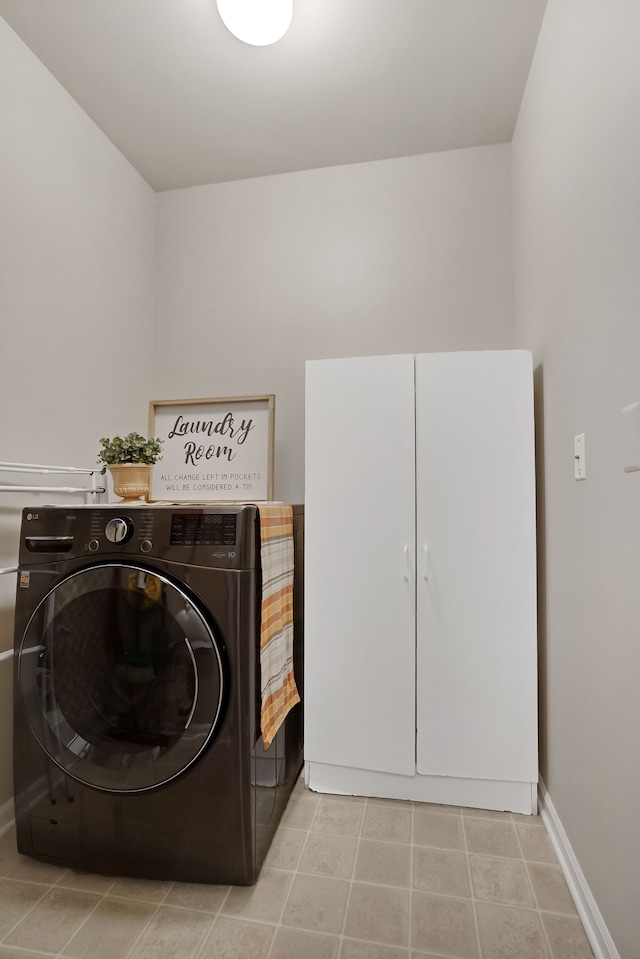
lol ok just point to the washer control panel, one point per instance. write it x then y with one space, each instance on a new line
120 529
221 536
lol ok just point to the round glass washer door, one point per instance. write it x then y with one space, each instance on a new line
121 677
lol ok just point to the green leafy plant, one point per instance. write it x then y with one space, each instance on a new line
132 448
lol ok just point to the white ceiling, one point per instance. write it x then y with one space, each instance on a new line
353 80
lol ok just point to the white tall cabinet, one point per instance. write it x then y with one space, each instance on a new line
420 571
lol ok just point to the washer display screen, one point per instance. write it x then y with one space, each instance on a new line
203 529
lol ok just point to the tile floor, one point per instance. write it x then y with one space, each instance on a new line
344 879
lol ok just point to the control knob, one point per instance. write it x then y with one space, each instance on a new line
119 529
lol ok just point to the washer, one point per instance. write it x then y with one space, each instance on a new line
137 747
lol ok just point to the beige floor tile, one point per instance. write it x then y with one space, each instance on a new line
430 955
111 930
378 913
31 870
490 838
437 829
550 888
300 811
501 880
264 901
236 939
317 903
507 932
149 890
340 818
444 926
16 899
86 881
437 807
7 952
352 949
441 871
485 813
177 933
299 788
388 863
286 848
328 855
566 937
195 895
398 803
527 820
296 943
9 855
52 922
337 884
535 844
339 797
389 823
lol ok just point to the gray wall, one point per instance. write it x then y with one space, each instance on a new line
256 276
77 297
576 188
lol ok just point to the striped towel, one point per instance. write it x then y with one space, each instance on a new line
278 685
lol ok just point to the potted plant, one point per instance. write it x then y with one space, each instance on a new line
130 459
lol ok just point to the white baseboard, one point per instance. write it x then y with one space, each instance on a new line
6 817
594 925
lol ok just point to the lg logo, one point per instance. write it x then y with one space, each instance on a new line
32 515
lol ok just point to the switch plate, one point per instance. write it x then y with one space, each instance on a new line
580 463
631 437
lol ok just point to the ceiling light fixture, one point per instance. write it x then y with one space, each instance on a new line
258 22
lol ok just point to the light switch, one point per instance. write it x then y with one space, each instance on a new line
631 437
579 459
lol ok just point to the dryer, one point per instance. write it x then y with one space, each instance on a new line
137 746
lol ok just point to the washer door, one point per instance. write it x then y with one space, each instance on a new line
121 677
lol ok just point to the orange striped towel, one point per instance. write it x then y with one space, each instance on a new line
278 685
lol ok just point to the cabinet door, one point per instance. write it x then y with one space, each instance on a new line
476 648
359 563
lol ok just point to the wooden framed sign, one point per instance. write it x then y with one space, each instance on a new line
213 449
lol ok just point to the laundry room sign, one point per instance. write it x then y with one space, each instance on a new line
213 449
